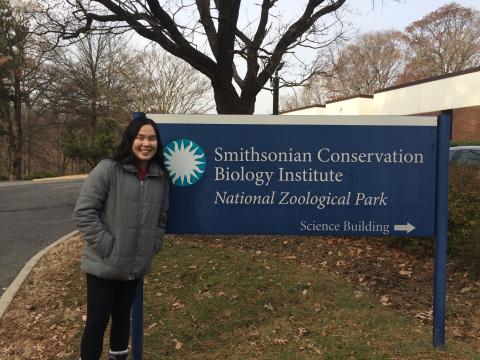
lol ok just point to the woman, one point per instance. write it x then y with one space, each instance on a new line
121 212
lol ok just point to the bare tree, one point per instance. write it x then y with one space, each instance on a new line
312 93
14 33
88 80
209 35
370 62
444 41
164 84
100 79
88 93
22 55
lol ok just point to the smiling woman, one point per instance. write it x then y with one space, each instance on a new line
121 213
144 145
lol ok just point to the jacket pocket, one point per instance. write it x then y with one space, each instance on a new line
104 246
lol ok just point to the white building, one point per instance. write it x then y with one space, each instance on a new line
457 94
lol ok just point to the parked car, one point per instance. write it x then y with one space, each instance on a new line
465 155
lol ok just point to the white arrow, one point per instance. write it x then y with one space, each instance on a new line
408 228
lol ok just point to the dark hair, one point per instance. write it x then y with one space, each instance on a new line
124 153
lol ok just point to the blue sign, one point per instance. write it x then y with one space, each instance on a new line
305 175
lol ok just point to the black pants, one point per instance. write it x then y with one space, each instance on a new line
105 299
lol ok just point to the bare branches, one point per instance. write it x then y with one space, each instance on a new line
444 41
164 84
209 35
208 24
295 31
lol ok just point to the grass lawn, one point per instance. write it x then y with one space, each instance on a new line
207 303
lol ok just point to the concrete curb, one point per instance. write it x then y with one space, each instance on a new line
70 177
11 291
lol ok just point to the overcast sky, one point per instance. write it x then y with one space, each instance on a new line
397 14
386 14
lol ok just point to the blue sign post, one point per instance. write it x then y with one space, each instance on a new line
310 175
441 221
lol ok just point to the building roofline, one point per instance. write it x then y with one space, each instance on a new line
430 79
329 102
391 88
302 108
349 98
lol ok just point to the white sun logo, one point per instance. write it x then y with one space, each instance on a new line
185 162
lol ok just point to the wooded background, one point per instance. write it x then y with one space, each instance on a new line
72 72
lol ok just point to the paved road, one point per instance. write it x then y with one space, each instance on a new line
32 215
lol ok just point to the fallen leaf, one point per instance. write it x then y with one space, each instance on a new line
152 326
178 344
405 273
280 341
427 315
268 306
358 294
457 333
177 305
302 331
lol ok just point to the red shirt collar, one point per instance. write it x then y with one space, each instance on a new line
142 173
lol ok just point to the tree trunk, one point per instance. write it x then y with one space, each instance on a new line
27 148
228 101
18 131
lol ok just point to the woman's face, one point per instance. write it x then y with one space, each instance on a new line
145 144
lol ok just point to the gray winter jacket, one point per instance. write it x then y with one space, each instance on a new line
122 219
